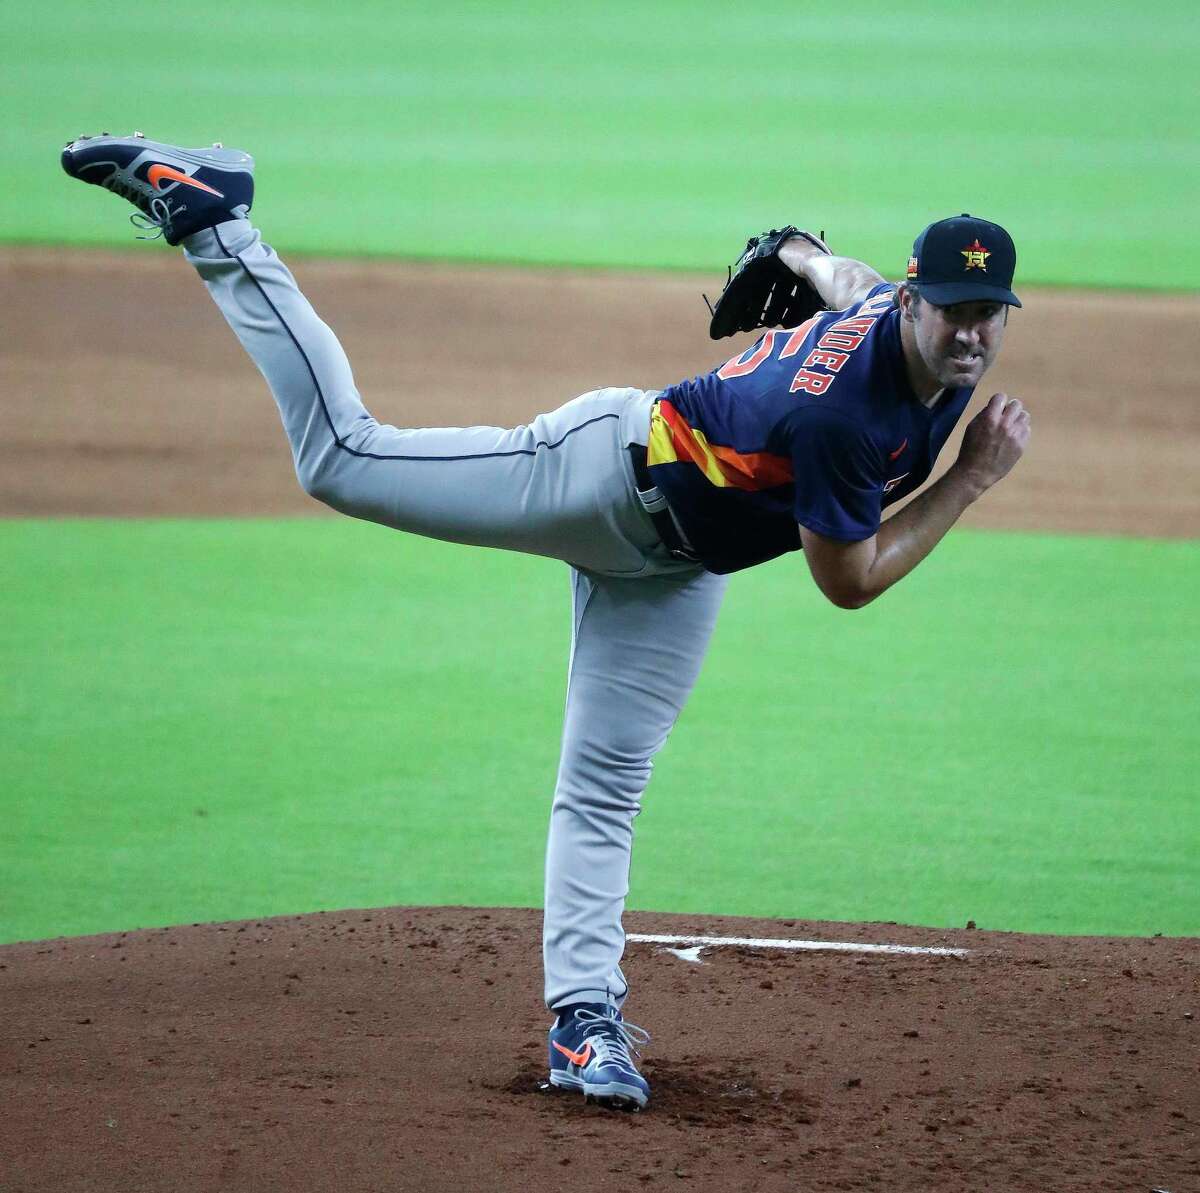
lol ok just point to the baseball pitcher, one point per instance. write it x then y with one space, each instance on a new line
652 498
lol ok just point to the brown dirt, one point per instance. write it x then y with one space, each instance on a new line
125 394
403 1049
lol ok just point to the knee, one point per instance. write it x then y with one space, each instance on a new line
603 780
327 471
315 484
317 477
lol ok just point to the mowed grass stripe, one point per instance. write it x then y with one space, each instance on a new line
638 135
206 720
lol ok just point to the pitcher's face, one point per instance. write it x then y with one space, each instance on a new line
958 343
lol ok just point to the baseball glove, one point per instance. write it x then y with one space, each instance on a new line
762 291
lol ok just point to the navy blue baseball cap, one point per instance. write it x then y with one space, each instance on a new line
964 259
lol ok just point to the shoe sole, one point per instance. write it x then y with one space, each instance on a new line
221 159
613 1094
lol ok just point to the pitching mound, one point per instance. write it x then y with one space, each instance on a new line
404 1049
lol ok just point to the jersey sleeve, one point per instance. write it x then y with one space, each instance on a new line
837 473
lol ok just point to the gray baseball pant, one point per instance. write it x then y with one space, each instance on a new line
563 486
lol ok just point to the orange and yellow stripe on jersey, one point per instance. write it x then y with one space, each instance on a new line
672 440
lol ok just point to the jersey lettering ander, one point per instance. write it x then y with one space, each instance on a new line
815 425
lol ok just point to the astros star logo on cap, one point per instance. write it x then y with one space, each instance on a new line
976 256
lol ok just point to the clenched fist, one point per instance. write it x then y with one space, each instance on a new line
995 440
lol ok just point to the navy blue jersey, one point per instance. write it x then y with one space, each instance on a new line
816 425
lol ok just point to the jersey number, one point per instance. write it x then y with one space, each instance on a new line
748 361
832 351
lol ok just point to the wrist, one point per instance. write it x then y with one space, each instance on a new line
966 482
797 251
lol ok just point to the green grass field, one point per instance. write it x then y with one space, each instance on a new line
641 134
217 719
210 720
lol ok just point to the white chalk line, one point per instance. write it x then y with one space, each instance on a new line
831 946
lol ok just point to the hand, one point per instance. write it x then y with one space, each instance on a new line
994 441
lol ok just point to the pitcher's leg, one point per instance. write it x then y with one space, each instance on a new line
636 651
556 487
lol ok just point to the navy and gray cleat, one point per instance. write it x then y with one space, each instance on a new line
176 191
589 1051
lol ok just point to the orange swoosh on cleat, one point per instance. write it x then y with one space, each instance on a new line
576 1058
158 172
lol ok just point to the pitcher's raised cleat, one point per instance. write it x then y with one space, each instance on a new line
176 191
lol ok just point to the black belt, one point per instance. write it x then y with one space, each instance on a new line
668 532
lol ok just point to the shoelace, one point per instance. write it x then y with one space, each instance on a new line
160 214
612 1038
